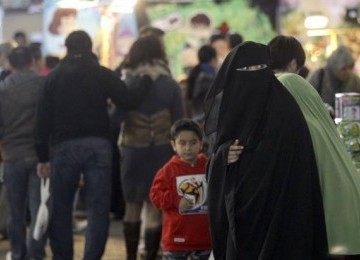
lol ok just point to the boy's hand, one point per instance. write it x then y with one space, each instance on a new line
185 204
234 152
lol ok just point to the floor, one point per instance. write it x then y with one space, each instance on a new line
115 248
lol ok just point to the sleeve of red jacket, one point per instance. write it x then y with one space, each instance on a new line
163 193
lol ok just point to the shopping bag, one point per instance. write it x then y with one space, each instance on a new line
42 217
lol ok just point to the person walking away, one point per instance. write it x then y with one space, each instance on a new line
179 190
19 94
199 81
72 119
144 141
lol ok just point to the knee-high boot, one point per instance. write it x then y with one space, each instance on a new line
152 242
132 236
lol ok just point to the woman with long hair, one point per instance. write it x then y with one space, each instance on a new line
144 140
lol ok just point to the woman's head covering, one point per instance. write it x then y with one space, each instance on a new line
239 91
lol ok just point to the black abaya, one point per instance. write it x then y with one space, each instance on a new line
267 205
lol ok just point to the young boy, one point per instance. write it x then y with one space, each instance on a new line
179 190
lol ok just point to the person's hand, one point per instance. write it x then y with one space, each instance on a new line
43 169
185 204
234 152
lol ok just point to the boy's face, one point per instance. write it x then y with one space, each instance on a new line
187 145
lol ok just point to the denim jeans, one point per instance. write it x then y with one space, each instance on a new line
23 193
91 157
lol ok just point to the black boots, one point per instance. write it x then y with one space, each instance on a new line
152 242
132 236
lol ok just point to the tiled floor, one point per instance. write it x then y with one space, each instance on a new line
115 248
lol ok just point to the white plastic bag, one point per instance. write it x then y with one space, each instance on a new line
42 217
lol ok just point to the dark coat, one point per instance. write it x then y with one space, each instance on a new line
74 101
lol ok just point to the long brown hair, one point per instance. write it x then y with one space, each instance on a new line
145 49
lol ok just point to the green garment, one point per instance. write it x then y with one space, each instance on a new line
339 179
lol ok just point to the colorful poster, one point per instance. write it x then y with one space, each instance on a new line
59 21
122 35
188 27
194 189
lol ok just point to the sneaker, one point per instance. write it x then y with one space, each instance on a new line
8 256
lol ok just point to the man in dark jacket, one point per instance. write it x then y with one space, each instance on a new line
18 100
73 120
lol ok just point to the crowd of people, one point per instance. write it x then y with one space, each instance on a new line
248 164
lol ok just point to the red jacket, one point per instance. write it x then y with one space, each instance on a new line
182 232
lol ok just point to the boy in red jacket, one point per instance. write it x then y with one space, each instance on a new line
179 190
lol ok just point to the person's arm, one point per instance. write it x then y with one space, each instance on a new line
43 122
42 129
123 96
161 193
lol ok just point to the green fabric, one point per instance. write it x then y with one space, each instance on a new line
340 181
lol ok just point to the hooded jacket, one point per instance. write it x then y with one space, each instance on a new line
180 232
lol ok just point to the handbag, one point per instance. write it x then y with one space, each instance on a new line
42 217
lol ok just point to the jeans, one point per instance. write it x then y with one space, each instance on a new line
91 157
184 255
23 193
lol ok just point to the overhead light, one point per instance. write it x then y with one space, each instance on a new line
316 21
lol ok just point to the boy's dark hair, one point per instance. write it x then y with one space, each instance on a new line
78 41
283 49
185 125
20 58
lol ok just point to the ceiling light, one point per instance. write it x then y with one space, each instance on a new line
316 21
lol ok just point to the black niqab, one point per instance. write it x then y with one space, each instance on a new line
267 205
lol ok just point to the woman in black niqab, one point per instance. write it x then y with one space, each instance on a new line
268 204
